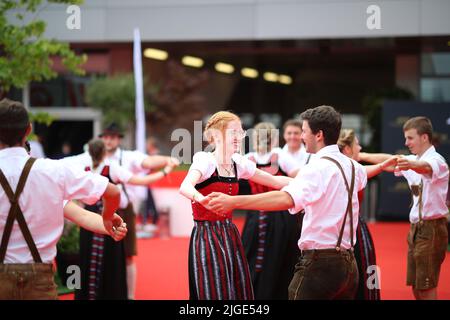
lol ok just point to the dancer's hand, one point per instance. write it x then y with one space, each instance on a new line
120 232
204 201
173 162
115 227
168 169
220 203
403 164
389 164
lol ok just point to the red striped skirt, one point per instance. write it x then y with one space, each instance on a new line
218 268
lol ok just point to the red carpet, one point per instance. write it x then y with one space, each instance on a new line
391 249
163 265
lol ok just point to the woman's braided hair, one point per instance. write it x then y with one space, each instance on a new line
218 121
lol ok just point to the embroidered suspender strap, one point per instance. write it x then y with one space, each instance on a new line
420 200
349 210
417 190
16 213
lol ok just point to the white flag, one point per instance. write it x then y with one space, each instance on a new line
138 81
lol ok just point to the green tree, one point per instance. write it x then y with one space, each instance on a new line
115 97
25 55
41 118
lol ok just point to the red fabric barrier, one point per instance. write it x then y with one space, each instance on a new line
172 180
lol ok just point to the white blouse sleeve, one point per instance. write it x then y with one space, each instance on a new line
136 158
119 174
245 167
361 176
287 163
203 162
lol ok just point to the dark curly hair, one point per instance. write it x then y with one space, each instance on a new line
324 118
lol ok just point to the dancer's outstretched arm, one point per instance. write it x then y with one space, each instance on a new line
268 201
266 179
157 162
93 222
152 177
373 157
387 165
421 167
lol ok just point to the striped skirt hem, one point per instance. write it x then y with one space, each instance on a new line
218 268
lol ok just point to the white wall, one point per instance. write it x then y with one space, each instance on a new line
172 20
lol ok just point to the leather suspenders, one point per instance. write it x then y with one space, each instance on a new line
16 213
349 210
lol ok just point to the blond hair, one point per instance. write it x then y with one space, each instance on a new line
346 138
218 121
264 135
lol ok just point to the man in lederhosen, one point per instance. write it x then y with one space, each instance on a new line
326 189
32 209
428 177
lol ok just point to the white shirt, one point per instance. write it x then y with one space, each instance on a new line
300 156
286 163
36 150
435 186
206 163
81 161
118 175
49 183
320 190
131 161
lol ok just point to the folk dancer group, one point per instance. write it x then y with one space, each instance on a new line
303 237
